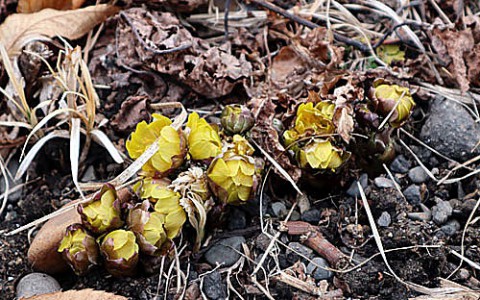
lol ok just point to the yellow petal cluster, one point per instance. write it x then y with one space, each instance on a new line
102 214
320 154
203 140
232 178
387 96
73 241
390 53
172 148
311 120
124 245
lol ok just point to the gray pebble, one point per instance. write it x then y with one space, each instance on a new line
442 211
262 241
353 190
36 284
384 220
451 130
312 216
295 216
383 183
279 209
223 252
316 269
213 286
297 248
400 164
417 175
451 227
412 194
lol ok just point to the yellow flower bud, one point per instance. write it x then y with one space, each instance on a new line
172 145
320 154
79 249
103 212
311 120
233 178
120 250
203 140
386 97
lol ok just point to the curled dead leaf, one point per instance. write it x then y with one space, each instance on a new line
19 29
30 6
79 295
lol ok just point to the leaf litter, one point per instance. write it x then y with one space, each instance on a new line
145 56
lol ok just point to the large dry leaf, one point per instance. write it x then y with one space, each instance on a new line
31 6
19 29
79 295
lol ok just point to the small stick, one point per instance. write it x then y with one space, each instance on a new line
308 288
316 241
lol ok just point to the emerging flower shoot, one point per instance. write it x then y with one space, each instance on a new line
393 97
236 119
79 249
120 250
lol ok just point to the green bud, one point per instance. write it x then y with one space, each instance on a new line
79 249
236 119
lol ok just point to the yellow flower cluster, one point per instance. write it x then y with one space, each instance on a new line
393 97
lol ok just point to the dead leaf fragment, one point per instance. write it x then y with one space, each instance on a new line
79 295
133 111
30 6
19 29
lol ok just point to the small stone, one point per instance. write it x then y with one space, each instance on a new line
262 241
279 209
36 284
11 215
225 251
316 269
412 194
353 190
295 216
384 220
213 286
312 216
451 227
383 183
298 252
442 211
89 175
237 220
400 164
417 175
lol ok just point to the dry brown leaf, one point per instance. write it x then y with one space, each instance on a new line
133 110
19 29
343 120
79 295
31 6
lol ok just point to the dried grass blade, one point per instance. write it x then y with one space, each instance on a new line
38 145
101 138
75 152
3 168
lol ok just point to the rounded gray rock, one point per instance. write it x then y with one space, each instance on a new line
400 164
213 286
412 194
451 130
225 252
279 209
417 175
383 183
353 190
36 284
316 269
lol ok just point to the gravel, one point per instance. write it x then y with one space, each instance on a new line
312 216
412 194
293 256
384 220
223 252
353 190
383 183
417 175
400 164
213 286
279 209
237 220
316 269
442 211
